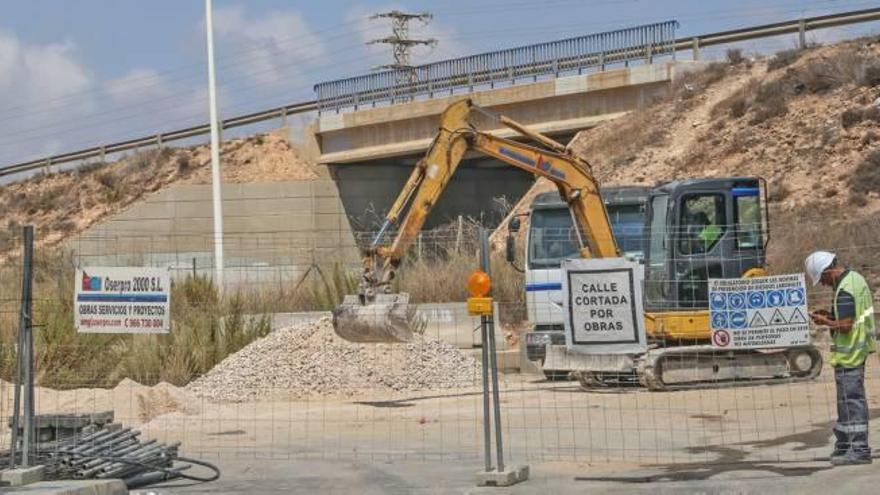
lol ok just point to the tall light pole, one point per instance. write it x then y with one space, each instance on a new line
215 152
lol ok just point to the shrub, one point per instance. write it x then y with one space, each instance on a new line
768 110
738 107
689 84
846 67
106 178
779 191
770 101
851 117
784 59
858 199
183 162
854 116
818 76
735 56
64 225
871 76
866 177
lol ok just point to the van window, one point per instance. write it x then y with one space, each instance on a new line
551 238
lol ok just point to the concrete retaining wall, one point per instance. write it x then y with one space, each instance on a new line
272 231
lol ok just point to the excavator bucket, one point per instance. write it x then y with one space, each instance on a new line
386 319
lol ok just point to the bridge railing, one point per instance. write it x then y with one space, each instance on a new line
695 43
503 66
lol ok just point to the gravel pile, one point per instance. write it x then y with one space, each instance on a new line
311 360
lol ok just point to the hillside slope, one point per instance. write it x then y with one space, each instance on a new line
807 121
66 203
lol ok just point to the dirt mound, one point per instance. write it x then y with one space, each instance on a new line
311 360
63 204
262 158
131 402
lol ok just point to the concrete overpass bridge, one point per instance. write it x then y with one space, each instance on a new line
370 138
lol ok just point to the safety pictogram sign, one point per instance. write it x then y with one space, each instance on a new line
761 312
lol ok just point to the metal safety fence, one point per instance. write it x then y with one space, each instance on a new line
231 382
504 66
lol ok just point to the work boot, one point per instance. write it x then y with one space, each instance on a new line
837 453
850 459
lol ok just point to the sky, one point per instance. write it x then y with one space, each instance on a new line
85 73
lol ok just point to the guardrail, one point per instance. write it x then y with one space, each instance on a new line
541 59
694 43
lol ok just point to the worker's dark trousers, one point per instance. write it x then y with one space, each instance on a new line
851 429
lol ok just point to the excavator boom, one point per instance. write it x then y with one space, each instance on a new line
375 314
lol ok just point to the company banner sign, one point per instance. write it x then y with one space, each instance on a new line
122 300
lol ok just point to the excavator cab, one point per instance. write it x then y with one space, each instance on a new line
700 229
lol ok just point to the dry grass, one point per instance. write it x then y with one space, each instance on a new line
639 131
207 328
784 58
765 101
850 66
854 241
204 331
696 82
770 101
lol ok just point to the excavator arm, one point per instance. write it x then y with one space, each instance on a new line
377 315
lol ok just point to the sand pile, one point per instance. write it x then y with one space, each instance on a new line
311 360
131 402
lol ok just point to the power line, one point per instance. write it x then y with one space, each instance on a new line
159 77
332 63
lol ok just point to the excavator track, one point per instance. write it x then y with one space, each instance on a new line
706 367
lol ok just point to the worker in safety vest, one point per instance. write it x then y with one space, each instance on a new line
851 322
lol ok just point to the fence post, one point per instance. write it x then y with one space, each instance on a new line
802 34
696 48
501 476
16 402
26 357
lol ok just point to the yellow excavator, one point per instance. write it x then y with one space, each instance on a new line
678 262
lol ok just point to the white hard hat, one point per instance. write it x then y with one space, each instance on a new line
816 263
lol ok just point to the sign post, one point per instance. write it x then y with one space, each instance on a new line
122 300
603 306
760 312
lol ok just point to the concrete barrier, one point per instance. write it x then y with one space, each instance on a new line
450 322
